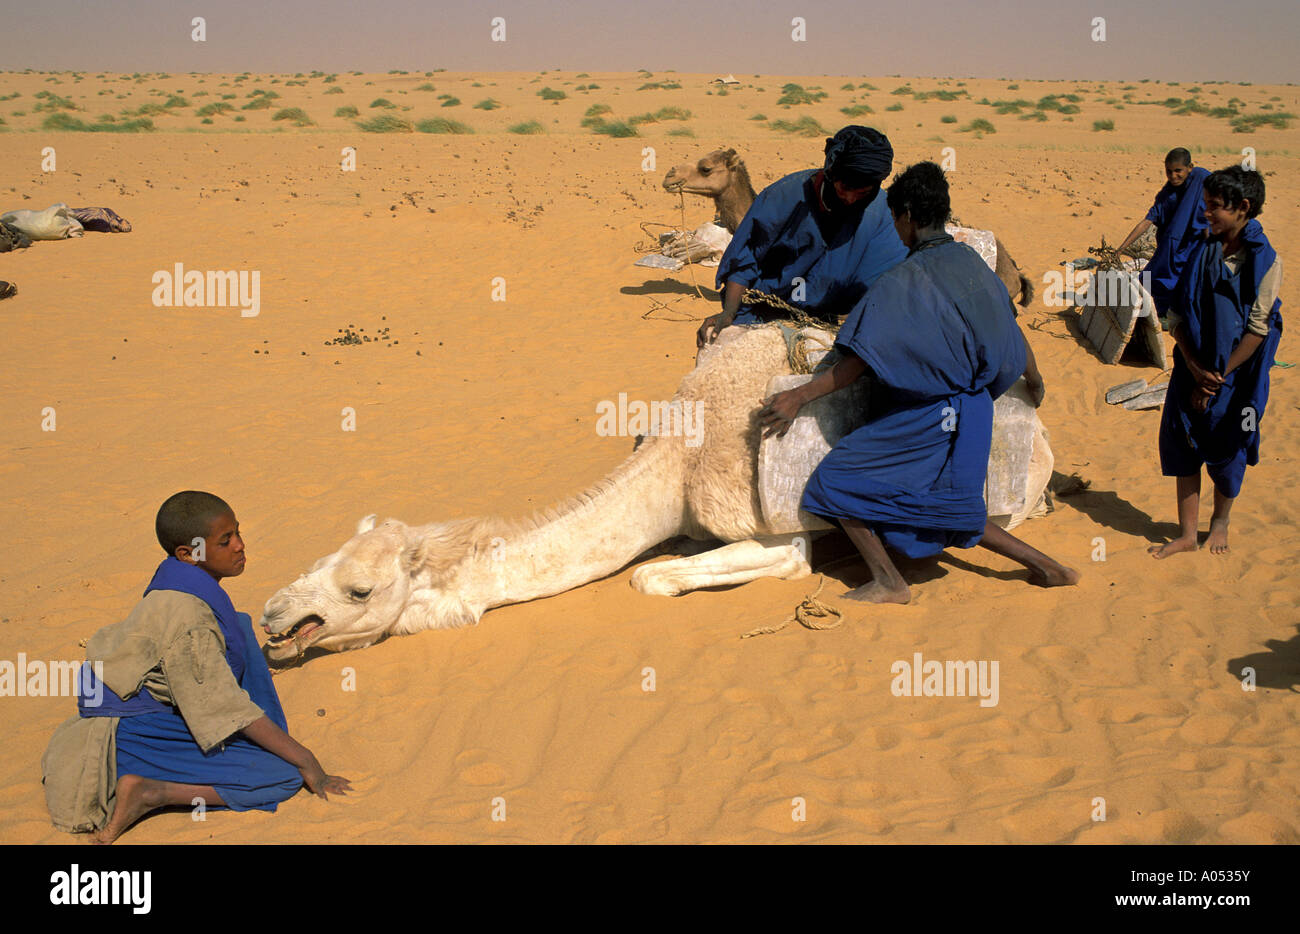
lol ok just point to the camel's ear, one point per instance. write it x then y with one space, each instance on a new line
366 524
414 554
730 156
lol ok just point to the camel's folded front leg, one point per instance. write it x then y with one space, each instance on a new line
783 556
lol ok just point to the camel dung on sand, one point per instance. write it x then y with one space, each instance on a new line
391 578
722 177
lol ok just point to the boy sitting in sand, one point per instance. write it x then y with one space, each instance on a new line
1176 214
188 709
1226 321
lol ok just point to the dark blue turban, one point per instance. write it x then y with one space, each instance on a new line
858 157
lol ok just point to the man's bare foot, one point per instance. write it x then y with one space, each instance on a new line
1054 575
875 592
136 797
1218 540
1172 548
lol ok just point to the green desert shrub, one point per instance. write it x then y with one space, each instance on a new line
295 114
1249 122
615 128
979 125
857 110
550 94
67 122
442 125
487 104
1099 125
385 123
947 118
792 94
528 128
384 103
334 90
214 109
894 108
348 111
804 126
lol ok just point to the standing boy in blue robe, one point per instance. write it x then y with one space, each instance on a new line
186 709
1226 322
1179 222
816 239
939 337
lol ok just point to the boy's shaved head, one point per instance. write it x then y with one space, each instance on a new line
1179 156
186 516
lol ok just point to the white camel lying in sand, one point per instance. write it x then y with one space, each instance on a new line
393 578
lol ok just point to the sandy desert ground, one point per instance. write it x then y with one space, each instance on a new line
1126 688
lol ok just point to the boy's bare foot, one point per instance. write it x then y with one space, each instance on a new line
875 592
136 797
1218 540
1172 548
1054 575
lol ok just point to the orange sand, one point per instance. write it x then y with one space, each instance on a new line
1124 688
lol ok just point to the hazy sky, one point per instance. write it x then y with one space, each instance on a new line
1189 40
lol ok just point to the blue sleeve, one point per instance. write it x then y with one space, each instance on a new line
738 263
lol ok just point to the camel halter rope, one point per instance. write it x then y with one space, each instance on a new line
810 614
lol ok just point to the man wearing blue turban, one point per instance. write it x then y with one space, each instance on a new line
815 239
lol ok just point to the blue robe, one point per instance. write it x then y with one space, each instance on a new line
1178 215
938 334
1215 306
785 235
153 740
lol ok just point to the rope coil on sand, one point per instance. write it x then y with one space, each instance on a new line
809 614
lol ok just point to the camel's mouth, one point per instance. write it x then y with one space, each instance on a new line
300 635
675 185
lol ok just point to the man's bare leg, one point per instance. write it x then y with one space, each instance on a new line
1218 540
1046 571
887 584
1189 504
137 796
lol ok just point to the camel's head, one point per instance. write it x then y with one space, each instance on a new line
710 176
382 581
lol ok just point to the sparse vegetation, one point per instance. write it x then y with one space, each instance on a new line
615 128
550 94
856 110
385 123
804 126
295 114
979 126
348 111
487 104
528 128
1099 125
793 94
443 125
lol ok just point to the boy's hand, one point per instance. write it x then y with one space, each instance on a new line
712 327
778 413
318 783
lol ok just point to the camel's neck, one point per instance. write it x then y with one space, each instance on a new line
735 200
596 533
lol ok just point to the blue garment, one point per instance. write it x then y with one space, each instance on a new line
939 336
1215 306
785 236
158 744
1178 215
172 574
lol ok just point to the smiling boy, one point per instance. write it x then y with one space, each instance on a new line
188 709
1227 322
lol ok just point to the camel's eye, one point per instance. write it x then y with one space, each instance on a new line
360 593
705 170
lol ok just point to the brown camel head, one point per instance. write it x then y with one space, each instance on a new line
720 175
